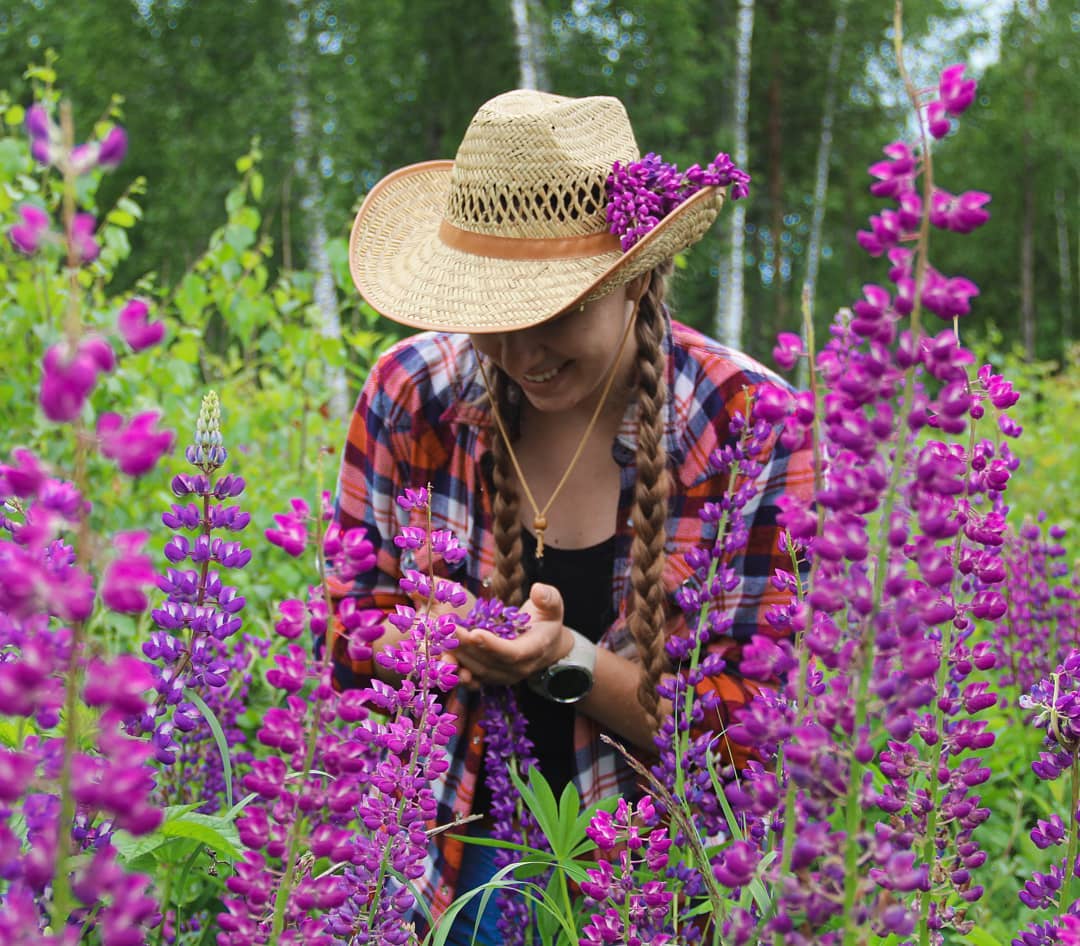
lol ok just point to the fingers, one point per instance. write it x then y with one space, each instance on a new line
547 603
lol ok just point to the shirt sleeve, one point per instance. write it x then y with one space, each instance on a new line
783 472
370 479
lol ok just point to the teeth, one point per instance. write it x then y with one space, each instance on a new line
541 378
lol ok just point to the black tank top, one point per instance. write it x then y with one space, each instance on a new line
584 578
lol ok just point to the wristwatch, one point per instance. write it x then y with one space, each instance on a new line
570 679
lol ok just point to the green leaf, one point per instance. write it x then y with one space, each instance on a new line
980 937
131 849
219 740
212 830
257 186
120 218
15 115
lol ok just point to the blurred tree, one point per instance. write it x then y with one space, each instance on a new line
1019 145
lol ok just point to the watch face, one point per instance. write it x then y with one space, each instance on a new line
568 684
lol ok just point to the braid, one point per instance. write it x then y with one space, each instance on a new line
509 577
647 611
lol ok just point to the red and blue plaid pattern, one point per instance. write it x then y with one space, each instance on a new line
422 418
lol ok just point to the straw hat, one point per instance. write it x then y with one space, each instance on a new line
513 230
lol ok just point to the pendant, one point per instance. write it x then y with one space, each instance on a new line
539 525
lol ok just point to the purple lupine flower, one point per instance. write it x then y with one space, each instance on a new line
199 601
28 235
136 328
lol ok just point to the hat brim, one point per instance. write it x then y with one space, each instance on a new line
405 271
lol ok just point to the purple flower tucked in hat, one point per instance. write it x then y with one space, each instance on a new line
137 445
642 193
134 324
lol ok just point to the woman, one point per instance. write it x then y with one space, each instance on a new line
564 424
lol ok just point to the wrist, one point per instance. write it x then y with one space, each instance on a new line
570 678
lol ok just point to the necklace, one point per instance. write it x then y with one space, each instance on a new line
540 515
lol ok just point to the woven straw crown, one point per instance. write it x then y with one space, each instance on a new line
513 231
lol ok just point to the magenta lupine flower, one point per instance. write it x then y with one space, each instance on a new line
68 380
641 193
367 800
291 535
960 214
81 238
113 148
788 350
937 119
948 297
44 134
124 584
629 903
136 328
897 175
28 235
956 92
136 445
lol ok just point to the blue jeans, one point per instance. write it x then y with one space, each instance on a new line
477 868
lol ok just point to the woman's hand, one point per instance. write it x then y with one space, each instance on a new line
484 658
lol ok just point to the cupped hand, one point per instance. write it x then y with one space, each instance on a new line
484 658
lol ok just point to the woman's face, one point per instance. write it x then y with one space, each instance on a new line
562 364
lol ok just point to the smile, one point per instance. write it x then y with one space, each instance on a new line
543 377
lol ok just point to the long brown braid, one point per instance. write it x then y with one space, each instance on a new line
508 582
646 609
649 512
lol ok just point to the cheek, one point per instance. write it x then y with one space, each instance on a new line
487 345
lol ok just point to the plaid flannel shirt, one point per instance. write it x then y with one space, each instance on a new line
422 418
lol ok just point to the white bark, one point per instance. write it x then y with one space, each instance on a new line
531 69
729 302
314 209
821 178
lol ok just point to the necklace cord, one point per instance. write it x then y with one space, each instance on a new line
540 515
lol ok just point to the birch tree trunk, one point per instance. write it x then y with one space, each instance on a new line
729 307
776 178
532 70
314 209
821 174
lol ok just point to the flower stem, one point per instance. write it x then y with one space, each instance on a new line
61 888
288 873
1070 857
863 663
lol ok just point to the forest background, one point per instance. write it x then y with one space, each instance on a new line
339 92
